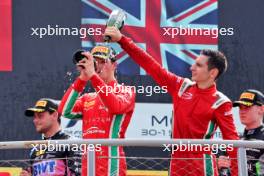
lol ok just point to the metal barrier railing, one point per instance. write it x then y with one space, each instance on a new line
131 142
135 162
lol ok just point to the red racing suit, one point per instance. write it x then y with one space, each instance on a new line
197 114
106 113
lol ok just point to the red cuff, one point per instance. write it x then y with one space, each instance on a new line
79 85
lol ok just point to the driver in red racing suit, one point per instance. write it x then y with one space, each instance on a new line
198 107
106 113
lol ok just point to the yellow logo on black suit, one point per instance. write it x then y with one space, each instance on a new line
40 152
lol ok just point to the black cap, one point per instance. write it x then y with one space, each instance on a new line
44 104
250 97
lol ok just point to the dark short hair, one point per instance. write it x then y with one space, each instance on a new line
216 59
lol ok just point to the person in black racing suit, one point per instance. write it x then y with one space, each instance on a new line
251 111
255 156
52 160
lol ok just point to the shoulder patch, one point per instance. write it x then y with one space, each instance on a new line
221 99
185 85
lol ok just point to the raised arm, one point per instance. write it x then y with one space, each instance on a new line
71 104
118 100
162 76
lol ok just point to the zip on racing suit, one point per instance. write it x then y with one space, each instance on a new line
197 114
105 114
55 162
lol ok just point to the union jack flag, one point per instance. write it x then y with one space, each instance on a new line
148 23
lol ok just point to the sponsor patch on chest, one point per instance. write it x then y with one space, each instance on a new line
44 168
89 104
187 96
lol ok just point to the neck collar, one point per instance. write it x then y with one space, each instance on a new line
55 136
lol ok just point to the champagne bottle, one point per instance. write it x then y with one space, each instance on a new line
117 19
